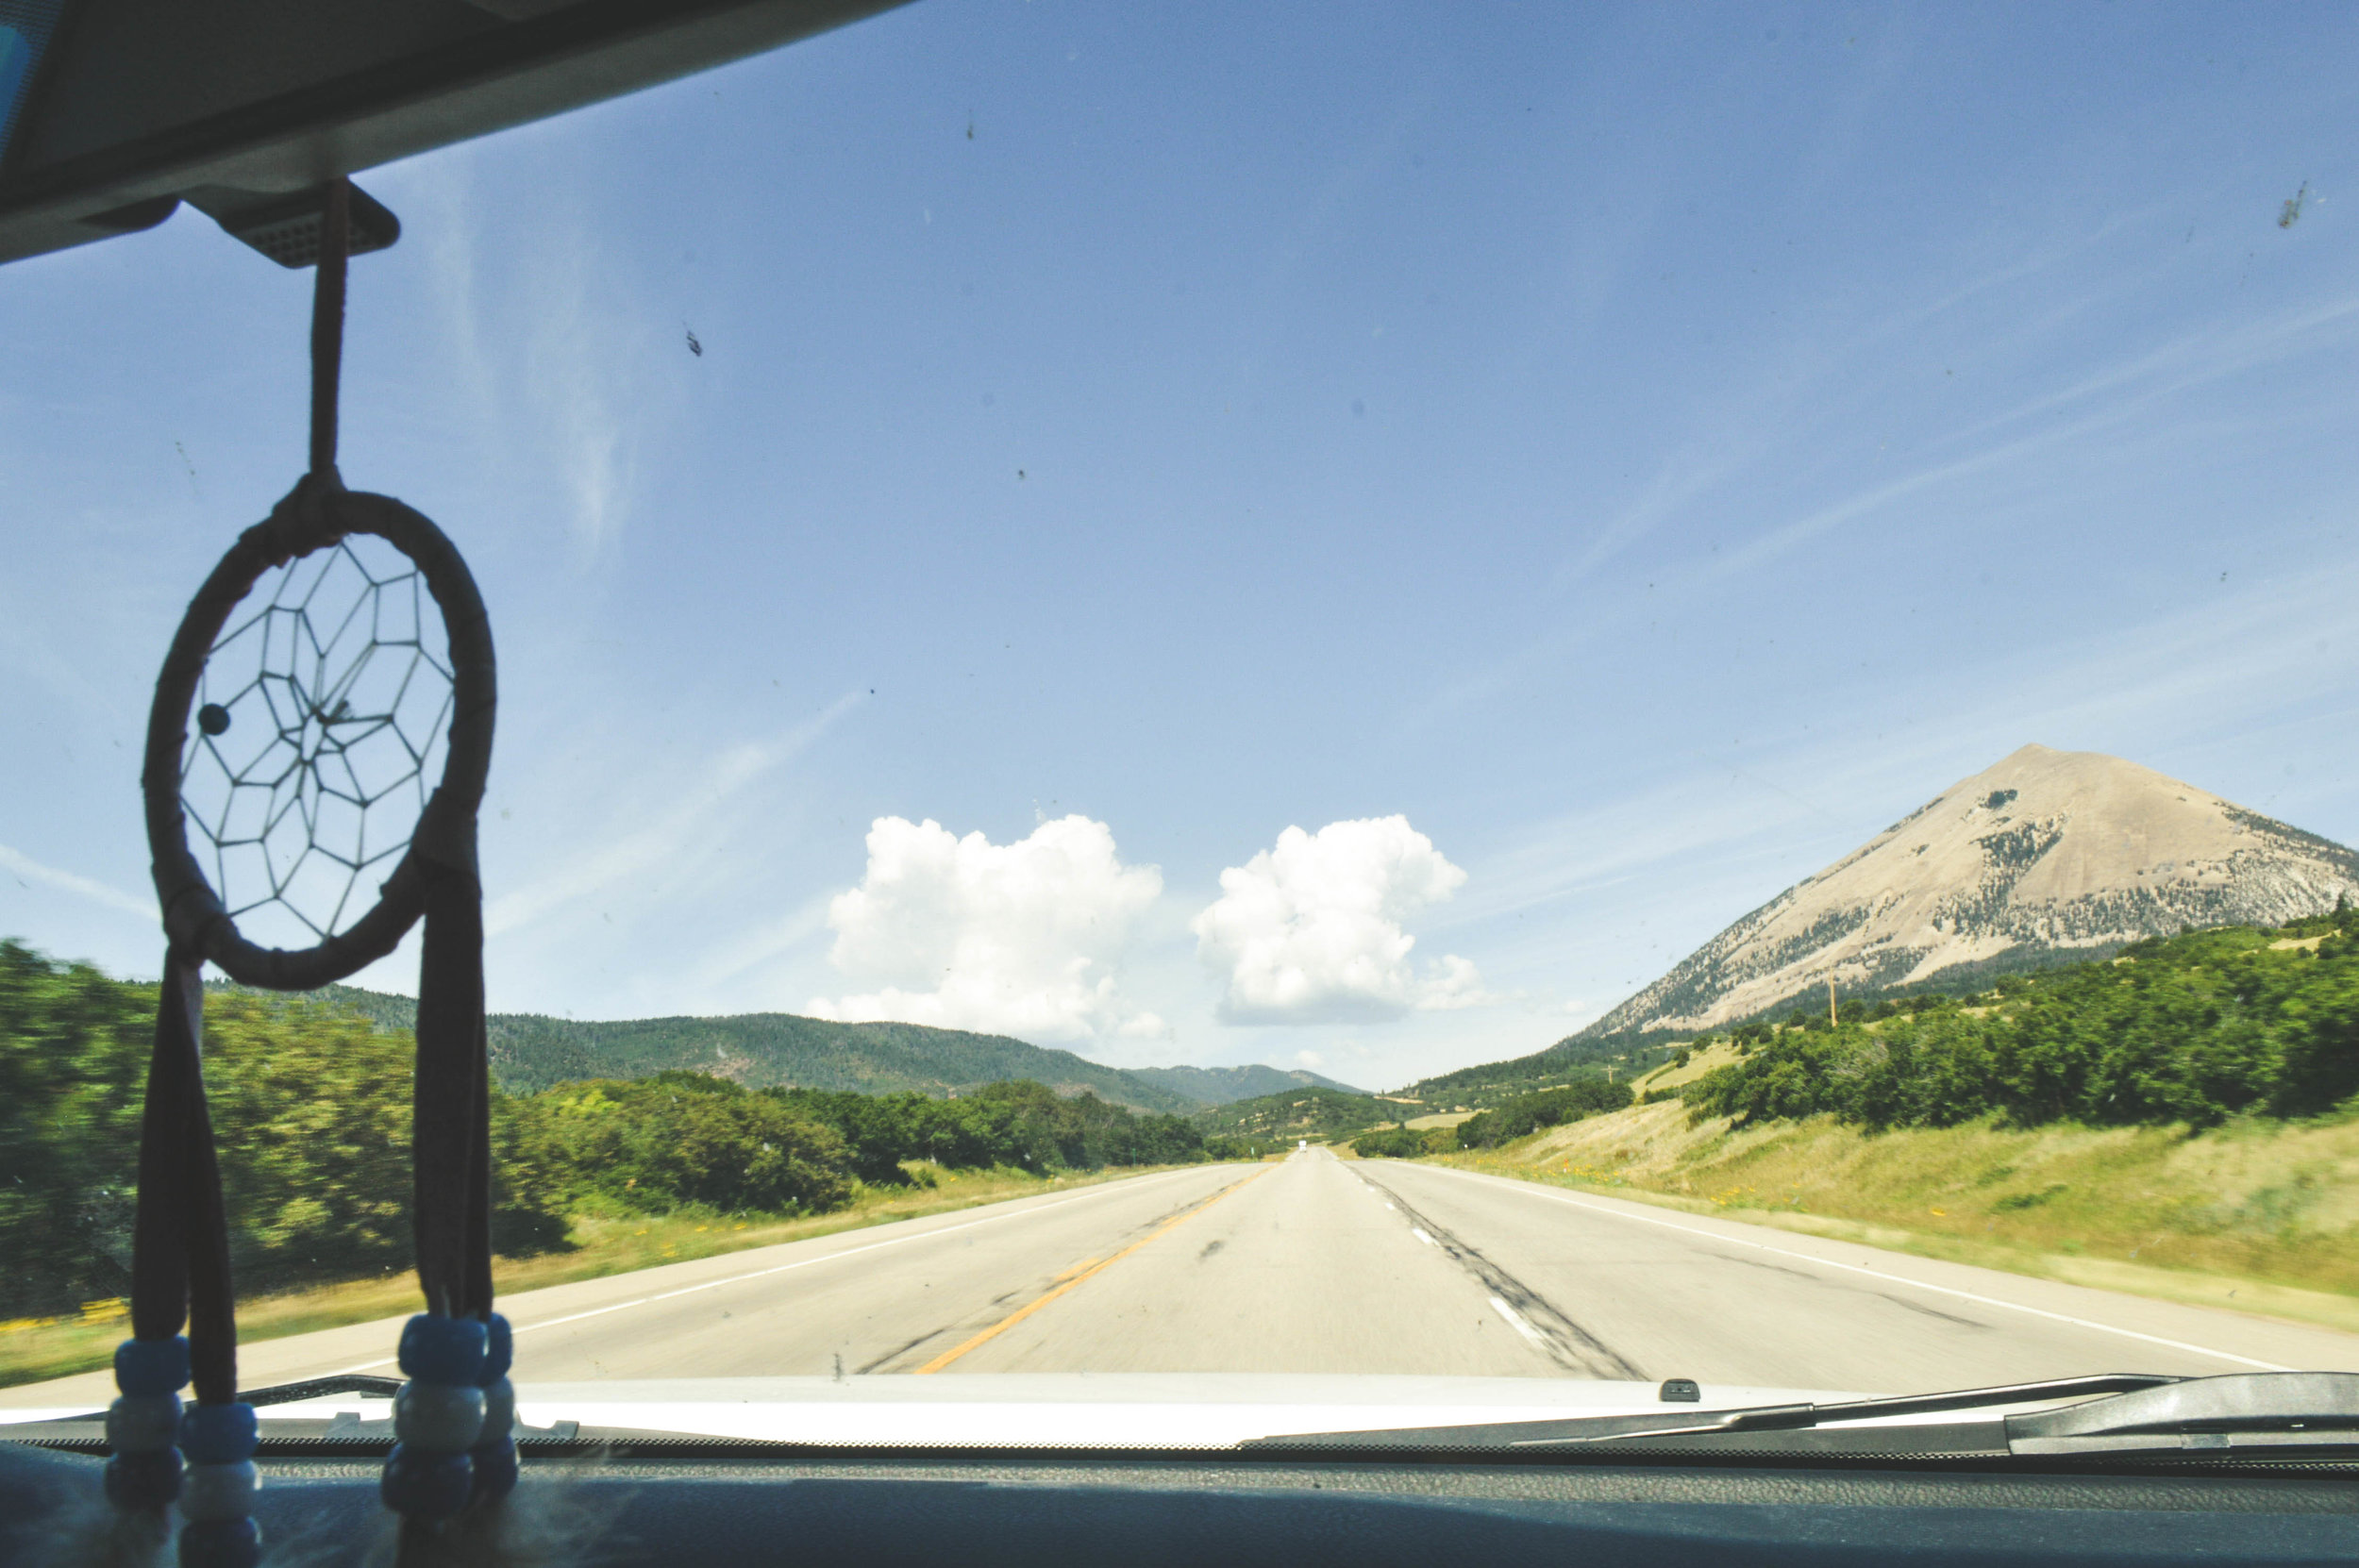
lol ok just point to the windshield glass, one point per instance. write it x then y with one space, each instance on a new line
1592 694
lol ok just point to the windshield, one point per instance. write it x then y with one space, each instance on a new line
1608 696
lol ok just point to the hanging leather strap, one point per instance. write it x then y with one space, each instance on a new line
451 1107
159 1226
181 1234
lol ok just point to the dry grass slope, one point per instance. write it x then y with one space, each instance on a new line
2254 1216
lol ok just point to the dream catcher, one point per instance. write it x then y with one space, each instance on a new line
316 758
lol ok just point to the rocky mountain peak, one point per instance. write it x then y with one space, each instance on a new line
2044 853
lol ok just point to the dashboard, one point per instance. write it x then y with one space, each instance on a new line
747 1505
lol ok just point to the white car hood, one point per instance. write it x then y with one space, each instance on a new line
1056 1410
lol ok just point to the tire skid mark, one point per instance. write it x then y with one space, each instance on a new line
1054 1284
1567 1343
898 1352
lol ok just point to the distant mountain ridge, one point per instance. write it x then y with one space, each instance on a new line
1214 1086
1300 1112
532 1051
2047 857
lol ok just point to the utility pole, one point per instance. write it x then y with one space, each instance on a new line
1832 1019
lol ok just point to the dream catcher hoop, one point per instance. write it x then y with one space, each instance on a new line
323 720
298 737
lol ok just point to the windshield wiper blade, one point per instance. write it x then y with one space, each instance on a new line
1794 1418
276 1394
1572 1431
2274 1411
2245 1410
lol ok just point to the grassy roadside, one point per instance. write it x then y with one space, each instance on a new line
600 1246
2254 1216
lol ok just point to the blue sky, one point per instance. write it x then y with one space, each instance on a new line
1642 450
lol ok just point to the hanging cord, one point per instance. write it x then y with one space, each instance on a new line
327 324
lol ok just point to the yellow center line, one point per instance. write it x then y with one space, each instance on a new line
1088 1273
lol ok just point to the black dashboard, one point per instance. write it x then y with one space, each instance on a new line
744 1508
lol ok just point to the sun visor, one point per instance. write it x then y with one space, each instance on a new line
114 111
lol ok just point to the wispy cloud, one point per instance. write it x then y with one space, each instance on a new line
1736 462
2210 353
550 352
88 888
2122 395
580 350
760 946
686 830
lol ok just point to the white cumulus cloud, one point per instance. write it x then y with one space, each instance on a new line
1022 938
1310 931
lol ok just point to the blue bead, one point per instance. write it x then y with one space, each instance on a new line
444 1350
499 1413
144 1481
494 1470
218 1434
152 1366
218 1490
446 1417
143 1423
423 1485
221 1544
499 1350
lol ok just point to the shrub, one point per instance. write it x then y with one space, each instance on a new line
2190 1030
311 1112
1550 1107
685 1138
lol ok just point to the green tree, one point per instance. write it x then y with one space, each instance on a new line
311 1112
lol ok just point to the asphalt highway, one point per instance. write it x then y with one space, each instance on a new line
1318 1264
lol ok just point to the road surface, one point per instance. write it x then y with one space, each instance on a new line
1317 1264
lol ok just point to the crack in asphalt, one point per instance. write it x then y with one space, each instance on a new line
1567 1342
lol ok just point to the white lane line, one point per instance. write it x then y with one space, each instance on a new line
1514 1321
1529 1190
1418 1231
785 1268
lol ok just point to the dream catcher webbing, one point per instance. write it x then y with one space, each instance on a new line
319 708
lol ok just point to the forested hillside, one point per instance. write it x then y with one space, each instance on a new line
1510 1120
1299 1113
2188 1030
310 1109
532 1051
1494 1083
1224 1085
